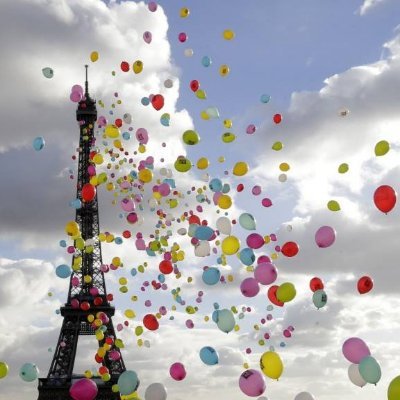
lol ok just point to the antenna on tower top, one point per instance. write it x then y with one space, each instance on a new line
86 82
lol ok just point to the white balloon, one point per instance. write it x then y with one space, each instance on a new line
224 225
188 52
127 118
282 178
156 391
182 231
355 376
168 83
304 396
202 249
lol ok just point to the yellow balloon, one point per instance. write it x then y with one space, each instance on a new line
224 202
88 374
230 245
204 115
284 167
271 364
228 137
130 314
224 70
98 159
277 146
202 163
112 131
228 34
333 205
381 148
201 94
241 168
228 123
3 370
182 164
343 168
286 292
72 228
145 175
393 392
190 137
138 67
116 261
94 56
184 12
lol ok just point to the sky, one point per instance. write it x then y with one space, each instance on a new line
314 60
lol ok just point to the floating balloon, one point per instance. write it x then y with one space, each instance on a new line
333 205
249 287
88 192
247 221
228 34
325 236
128 382
265 273
343 168
83 389
385 198
182 37
3 369
252 383
48 72
182 164
320 298
277 118
137 66
286 292
206 61
147 37
277 146
225 320
190 137
152 6
38 143
94 56
255 241
29 372
393 392
230 245
304 396
370 370
316 284
224 225
177 371
112 131
365 284
271 365
241 168
151 323
355 376
355 349
156 391
157 101
381 148
265 98
290 249
184 12
209 356
211 276
273 297
63 271
224 70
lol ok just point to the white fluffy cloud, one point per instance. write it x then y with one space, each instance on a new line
368 5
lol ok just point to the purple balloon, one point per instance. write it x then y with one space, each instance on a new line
325 236
249 287
147 37
84 389
255 241
265 273
252 383
355 349
177 371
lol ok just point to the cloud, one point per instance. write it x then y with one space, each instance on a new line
368 5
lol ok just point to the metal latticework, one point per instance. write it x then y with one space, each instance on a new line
87 291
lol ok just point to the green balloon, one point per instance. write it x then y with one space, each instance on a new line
319 298
381 148
277 146
286 292
394 389
228 137
29 372
370 370
225 320
182 164
3 369
247 221
190 137
343 168
333 205
48 72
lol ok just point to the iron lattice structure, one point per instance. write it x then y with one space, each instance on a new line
82 289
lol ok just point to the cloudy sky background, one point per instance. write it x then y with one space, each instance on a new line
314 60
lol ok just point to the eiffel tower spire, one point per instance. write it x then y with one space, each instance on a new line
87 295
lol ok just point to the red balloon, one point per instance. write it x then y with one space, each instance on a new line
290 249
157 101
165 267
124 66
385 198
194 219
272 296
88 192
316 284
365 284
118 122
150 322
277 118
194 85
240 187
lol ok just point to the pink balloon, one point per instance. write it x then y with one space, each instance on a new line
140 244
77 88
164 189
75 97
249 287
102 121
177 371
127 205
255 241
132 217
142 136
265 273
325 236
83 389
263 259
355 349
252 383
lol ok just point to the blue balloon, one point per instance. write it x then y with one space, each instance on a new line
128 382
215 185
161 278
126 135
206 61
38 143
29 372
226 320
226 188
370 370
209 356
118 240
63 243
211 276
75 204
63 271
145 101
247 256
265 98
204 232
215 316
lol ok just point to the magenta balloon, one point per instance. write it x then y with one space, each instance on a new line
75 97
255 241
77 88
164 189
102 121
84 389
252 383
325 236
177 371
355 349
265 273
142 136
263 259
249 287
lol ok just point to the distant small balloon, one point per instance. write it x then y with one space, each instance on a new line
39 143
48 72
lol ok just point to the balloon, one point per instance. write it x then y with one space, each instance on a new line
333 205
316 284
94 56
63 271
83 389
190 137
224 225
202 163
381 148
165 267
206 61
228 34
230 245
265 98
228 137
152 6
247 221
224 201
252 383
151 323
320 298
265 273
277 118
182 37
224 70
3 369
124 66
177 371
355 349
225 320
142 135
112 131
286 292
209 356
182 164
343 168
184 12
290 249
272 296
271 365
88 192
188 52
304 396
355 377
147 37
394 389
128 382
255 241
247 256
370 370
138 66
385 198
240 168
365 284
325 236
249 287
29 372
38 143
48 72
202 249
157 101
156 391
277 146
211 276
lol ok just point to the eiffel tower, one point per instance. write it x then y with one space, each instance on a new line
87 290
